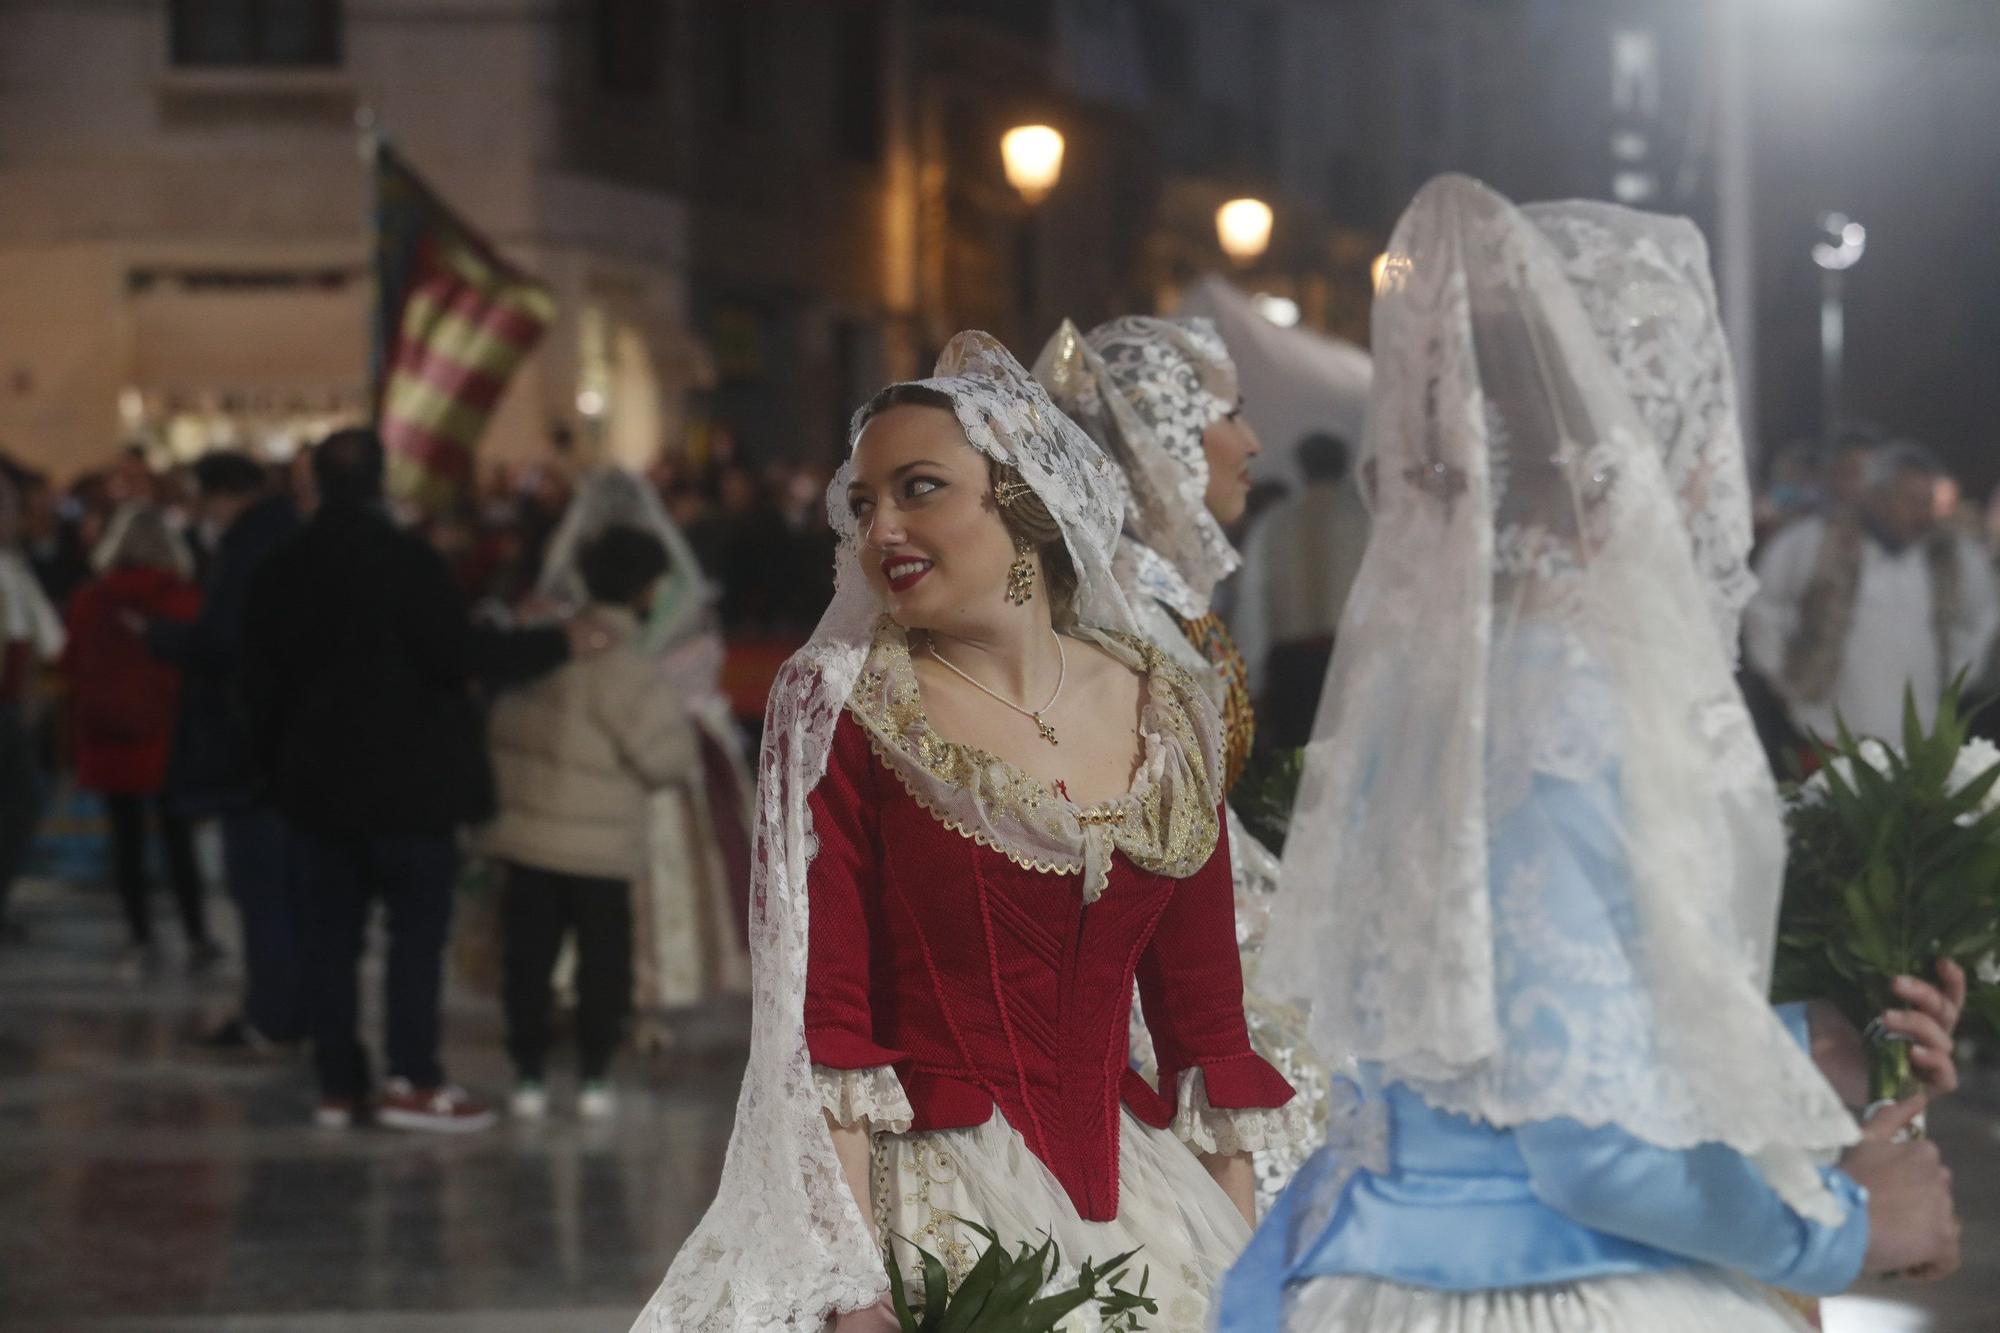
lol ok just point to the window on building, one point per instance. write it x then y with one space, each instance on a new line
627 36
736 63
254 32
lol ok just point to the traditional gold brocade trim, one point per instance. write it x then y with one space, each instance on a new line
1210 637
888 759
1166 824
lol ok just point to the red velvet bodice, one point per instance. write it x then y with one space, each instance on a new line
986 983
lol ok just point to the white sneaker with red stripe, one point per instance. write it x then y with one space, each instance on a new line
448 1109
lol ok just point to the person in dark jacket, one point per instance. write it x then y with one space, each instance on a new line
360 660
209 772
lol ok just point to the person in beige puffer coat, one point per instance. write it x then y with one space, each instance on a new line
576 755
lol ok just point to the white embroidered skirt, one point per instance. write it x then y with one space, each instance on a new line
1690 1300
1183 1225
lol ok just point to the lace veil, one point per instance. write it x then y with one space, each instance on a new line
1643 280
1146 389
611 497
784 1245
1528 623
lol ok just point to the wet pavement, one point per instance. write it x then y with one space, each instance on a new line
147 1186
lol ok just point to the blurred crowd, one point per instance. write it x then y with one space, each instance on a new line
759 531
265 651
572 661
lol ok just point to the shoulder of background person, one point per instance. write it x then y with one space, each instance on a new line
1792 542
262 526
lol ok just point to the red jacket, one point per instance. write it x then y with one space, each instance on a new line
987 984
122 700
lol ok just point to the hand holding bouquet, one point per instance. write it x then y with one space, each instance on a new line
1894 869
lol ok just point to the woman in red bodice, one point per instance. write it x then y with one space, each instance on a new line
988 812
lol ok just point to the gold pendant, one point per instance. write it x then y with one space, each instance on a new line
1048 732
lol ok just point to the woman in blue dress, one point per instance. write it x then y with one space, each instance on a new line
1531 884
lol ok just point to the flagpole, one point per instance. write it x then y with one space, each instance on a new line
368 144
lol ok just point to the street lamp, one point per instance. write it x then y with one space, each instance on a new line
1243 227
1842 243
1032 156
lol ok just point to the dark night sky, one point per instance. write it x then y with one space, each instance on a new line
1891 115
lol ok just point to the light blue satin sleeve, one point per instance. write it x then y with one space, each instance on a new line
1707 1203
1793 1016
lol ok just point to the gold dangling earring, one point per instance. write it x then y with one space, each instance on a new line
1021 574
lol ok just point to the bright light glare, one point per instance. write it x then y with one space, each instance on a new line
1280 310
590 402
1634 187
1846 241
1243 227
1872 1314
1033 158
1389 270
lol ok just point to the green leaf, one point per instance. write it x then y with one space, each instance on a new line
1969 948
898 1298
937 1290
1016 1290
1913 727
970 1298
1046 1313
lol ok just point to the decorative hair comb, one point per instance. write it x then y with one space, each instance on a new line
1009 493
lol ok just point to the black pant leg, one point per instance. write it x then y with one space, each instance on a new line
602 909
533 919
18 798
416 873
334 898
183 875
128 861
257 868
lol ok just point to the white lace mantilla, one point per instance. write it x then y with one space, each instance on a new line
1531 652
1644 282
1147 389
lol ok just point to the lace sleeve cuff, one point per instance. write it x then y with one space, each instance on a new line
1209 1128
873 1097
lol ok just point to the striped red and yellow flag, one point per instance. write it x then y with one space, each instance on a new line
452 322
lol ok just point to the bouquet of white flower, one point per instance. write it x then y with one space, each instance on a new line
1894 864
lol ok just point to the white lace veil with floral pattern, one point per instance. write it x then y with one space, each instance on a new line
1146 389
1643 279
784 1244
613 497
1528 621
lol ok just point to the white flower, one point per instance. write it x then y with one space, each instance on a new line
1873 753
1987 970
1086 1317
1974 758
